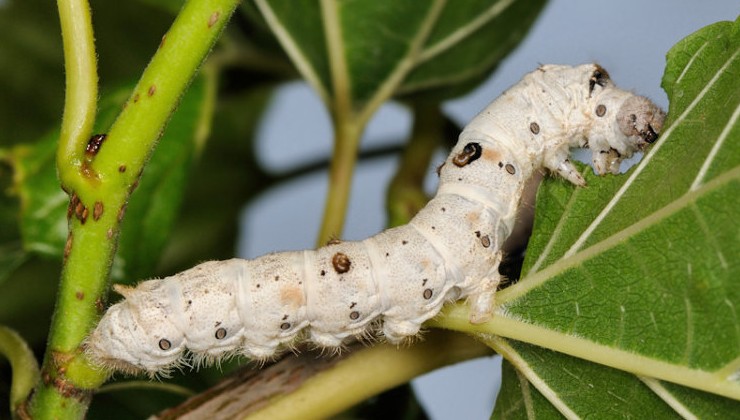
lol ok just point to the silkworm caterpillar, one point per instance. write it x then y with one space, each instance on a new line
390 283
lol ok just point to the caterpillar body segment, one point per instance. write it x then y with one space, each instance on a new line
394 281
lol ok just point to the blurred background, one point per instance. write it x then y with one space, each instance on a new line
629 38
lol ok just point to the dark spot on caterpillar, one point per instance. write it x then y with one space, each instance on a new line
93 145
424 282
600 110
122 168
534 128
218 323
469 154
351 306
434 228
341 263
427 294
387 254
443 209
323 273
404 242
354 315
285 326
277 278
598 77
97 210
485 240
285 317
152 90
220 333
190 303
165 344
510 168
80 295
259 285
500 164
333 241
439 169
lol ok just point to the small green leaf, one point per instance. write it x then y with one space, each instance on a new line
152 208
24 364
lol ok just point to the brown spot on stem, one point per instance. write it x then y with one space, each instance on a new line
136 98
213 19
152 90
333 241
121 212
122 168
79 295
68 245
94 144
97 210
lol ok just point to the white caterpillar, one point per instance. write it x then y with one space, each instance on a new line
404 275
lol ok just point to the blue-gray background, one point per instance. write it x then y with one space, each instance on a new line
627 37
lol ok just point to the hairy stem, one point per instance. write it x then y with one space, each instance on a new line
101 181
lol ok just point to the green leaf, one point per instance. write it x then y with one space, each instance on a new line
640 271
369 51
152 208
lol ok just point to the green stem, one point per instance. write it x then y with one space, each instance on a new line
80 102
101 183
346 142
23 363
406 192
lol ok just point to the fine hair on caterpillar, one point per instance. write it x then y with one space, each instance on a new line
391 283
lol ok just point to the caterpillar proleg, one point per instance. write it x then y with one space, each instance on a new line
394 281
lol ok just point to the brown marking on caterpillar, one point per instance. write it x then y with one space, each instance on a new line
470 153
341 263
424 282
136 98
510 168
291 296
323 273
485 240
534 128
599 77
439 169
152 90
404 242
354 315
213 19
428 294
352 305
500 164
333 241
94 144
164 344
277 278
79 295
220 333
285 326
600 110
97 210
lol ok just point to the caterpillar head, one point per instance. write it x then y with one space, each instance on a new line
137 334
621 123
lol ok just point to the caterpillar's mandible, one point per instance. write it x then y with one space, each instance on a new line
401 276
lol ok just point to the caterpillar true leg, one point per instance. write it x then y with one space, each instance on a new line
403 276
